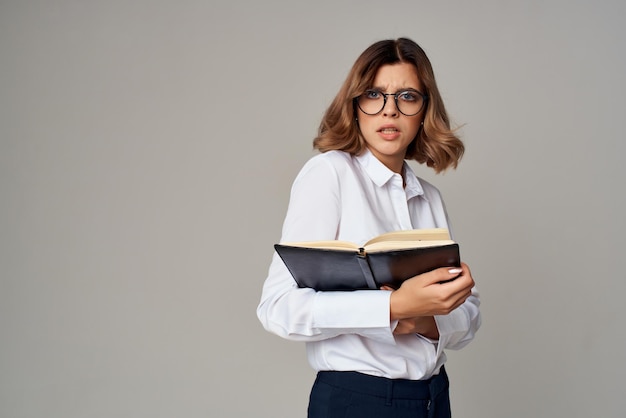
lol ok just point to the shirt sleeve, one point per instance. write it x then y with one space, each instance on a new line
458 328
295 313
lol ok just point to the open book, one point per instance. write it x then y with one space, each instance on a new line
387 259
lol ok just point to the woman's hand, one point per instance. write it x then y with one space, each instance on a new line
423 325
430 294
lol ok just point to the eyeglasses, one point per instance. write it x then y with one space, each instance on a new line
409 102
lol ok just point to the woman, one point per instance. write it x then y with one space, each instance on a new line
378 353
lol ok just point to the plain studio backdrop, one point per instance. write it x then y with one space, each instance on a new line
147 149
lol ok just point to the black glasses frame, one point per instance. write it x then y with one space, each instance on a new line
395 99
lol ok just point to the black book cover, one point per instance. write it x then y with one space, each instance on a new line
324 269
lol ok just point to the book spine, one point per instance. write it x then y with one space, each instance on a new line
366 269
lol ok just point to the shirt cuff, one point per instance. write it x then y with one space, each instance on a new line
362 312
449 325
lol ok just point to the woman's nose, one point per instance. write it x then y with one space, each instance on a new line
390 108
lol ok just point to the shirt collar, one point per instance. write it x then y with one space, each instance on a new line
380 174
413 186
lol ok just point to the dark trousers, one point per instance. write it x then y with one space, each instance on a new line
357 395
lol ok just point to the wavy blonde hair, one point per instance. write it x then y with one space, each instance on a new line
435 145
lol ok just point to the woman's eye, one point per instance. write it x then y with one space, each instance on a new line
372 94
408 96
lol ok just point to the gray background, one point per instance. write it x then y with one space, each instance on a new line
147 150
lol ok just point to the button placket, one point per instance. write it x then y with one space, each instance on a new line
399 202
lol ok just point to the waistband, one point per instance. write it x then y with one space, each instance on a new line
387 388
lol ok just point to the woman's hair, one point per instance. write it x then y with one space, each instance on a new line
436 144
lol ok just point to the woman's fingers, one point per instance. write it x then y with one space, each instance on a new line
438 292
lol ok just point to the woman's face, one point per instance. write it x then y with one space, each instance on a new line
388 133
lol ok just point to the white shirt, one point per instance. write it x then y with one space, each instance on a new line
354 198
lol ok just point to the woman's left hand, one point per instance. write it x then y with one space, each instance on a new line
423 325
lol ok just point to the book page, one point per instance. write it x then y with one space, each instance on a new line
431 234
329 245
388 241
403 245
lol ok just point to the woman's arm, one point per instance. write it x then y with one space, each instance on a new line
314 213
448 312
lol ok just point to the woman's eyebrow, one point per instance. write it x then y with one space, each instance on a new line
382 89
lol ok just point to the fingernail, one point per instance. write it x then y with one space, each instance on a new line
455 271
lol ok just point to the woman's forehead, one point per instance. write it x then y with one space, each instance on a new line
394 77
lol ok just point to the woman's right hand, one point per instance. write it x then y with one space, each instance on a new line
432 293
